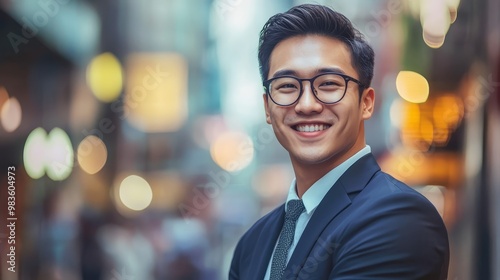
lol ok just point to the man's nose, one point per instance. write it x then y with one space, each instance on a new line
308 103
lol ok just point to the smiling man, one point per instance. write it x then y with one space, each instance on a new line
343 218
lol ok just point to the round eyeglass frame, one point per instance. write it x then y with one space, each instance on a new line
347 79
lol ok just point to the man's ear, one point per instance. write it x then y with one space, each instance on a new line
266 108
368 103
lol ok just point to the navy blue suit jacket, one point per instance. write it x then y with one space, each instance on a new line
368 226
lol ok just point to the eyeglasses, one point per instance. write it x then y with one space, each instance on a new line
329 88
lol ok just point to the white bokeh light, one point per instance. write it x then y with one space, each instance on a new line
34 153
135 193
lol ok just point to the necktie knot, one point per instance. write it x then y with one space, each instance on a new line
293 209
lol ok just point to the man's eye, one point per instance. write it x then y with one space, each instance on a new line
330 83
287 86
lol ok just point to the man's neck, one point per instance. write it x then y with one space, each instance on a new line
307 174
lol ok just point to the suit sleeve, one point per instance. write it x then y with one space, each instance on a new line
401 237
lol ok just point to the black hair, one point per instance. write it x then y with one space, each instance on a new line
319 20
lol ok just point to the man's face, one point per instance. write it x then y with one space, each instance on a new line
312 132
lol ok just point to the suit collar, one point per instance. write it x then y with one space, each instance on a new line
315 194
337 199
360 173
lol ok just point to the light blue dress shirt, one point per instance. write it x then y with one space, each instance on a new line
313 196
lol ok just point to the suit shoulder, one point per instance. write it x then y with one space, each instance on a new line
390 219
391 198
386 185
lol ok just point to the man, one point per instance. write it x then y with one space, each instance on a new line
344 218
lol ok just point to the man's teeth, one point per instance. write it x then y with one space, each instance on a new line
312 127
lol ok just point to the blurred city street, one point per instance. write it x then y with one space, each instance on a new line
134 145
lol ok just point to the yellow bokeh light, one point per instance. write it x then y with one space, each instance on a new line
92 154
411 117
426 130
169 189
4 96
135 193
431 123
156 91
94 191
441 135
410 126
232 151
34 153
104 77
59 155
447 114
11 114
448 110
412 86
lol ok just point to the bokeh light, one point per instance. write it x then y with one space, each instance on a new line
412 86
4 96
232 151
92 154
435 19
426 130
169 190
94 191
11 114
272 181
448 110
433 41
207 128
59 155
34 153
447 114
412 116
156 95
416 130
104 77
396 112
432 122
453 6
135 193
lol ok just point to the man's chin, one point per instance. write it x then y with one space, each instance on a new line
310 158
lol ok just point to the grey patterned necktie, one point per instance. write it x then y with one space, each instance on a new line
293 211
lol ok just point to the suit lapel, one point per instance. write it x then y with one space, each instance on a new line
337 199
334 202
267 241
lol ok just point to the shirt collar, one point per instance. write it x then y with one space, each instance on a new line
313 196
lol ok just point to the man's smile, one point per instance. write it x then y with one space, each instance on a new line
311 127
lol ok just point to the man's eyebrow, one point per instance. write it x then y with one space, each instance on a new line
330 69
285 72
289 72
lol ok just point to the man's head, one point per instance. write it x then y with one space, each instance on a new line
311 19
317 70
